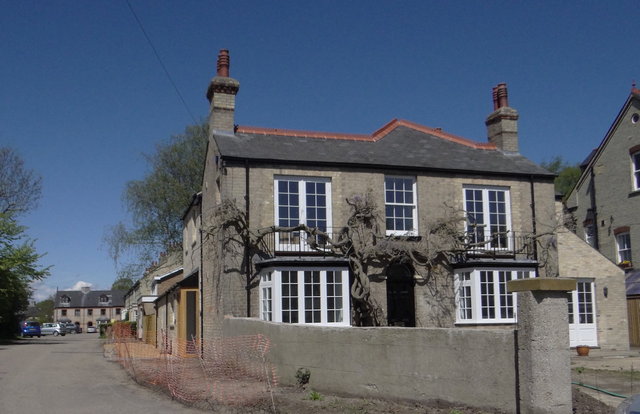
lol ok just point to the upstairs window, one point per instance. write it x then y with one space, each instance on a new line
589 233
64 299
623 242
635 165
104 299
103 312
400 206
90 312
488 216
301 200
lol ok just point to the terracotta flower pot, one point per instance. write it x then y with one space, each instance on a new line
582 350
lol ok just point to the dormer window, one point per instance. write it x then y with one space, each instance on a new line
65 300
104 299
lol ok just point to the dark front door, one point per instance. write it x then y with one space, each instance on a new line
400 297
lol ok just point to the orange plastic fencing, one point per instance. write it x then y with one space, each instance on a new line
227 371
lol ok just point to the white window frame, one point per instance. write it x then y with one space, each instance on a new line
623 246
486 227
266 296
284 241
635 170
499 307
271 283
401 204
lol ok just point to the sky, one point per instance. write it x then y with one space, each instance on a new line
83 96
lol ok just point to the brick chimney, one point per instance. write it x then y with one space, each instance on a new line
222 96
502 124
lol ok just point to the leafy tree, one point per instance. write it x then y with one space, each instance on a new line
18 268
156 202
122 283
44 310
20 190
568 174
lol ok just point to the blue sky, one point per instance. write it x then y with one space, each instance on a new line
83 96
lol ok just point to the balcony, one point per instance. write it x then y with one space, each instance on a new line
510 245
297 243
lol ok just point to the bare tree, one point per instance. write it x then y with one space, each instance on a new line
368 249
20 188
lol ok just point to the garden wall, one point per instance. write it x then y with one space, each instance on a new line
474 367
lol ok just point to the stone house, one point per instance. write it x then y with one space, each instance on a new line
414 173
88 307
605 202
141 299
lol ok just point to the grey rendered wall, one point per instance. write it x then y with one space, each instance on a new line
616 203
472 367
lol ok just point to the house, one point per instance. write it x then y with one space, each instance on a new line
605 202
179 301
140 300
414 173
88 307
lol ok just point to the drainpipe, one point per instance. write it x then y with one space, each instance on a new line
596 239
247 200
533 221
201 282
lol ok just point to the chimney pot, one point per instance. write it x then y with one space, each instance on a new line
494 94
503 97
223 63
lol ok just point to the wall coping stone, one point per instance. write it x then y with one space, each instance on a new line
542 283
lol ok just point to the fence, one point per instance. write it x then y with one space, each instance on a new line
227 371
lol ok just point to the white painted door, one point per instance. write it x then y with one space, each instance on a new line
582 315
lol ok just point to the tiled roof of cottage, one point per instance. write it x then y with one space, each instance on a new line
90 299
399 144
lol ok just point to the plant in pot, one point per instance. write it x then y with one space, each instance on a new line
582 350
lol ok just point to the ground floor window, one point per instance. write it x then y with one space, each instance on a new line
482 297
305 296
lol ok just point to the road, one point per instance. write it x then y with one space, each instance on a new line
69 374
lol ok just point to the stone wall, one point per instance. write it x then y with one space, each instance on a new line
579 260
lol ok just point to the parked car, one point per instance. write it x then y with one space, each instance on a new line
30 329
71 327
54 329
91 329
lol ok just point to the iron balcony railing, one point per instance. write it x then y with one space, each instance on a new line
503 245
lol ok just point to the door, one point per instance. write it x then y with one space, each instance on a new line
582 315
400 297
188 321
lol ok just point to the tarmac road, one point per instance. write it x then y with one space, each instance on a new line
69 374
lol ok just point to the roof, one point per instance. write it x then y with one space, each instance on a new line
595 154
632 283
90 299
399 144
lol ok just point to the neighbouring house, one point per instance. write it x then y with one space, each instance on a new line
415 174
88 307
605 202
178 301
140 299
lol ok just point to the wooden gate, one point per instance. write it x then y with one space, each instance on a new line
633 310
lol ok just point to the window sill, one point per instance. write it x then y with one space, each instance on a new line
508 322
634 193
